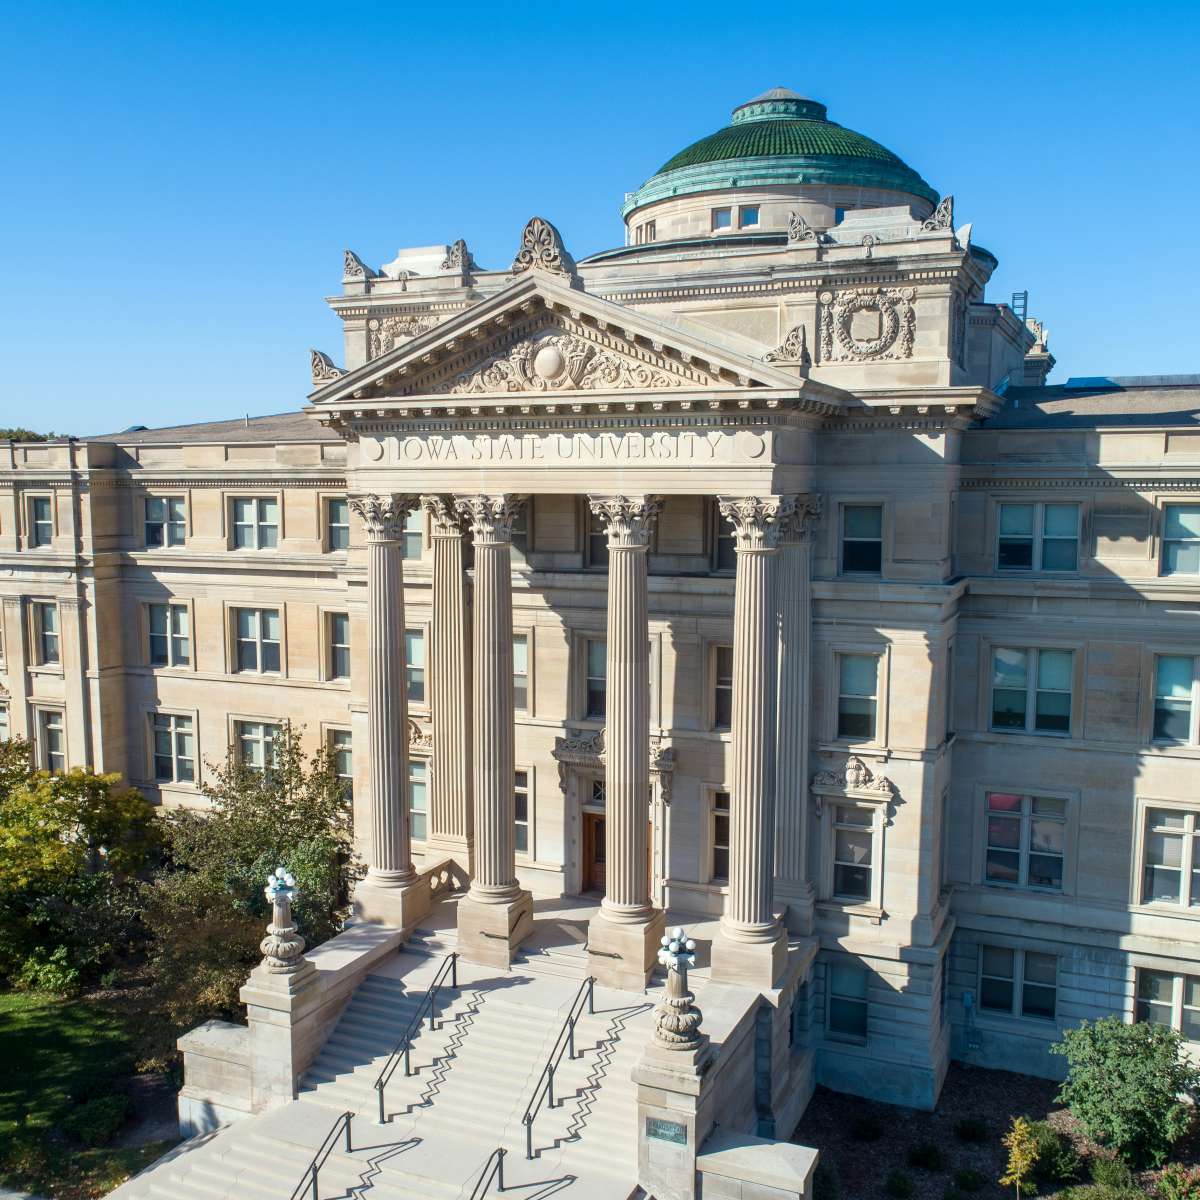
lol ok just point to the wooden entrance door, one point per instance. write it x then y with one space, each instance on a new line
593 852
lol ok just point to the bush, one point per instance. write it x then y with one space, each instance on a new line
925 1156
1111 1172
866 1128
972 1130
899 1185
826 1184
1101 1191
96 1121
1124 1084
53 973
1057 1160
969 1180
1178 1183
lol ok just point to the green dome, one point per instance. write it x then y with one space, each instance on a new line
780 138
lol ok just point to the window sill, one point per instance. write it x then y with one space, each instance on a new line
1026 889
1178 911
1031 733
844 1039
853 908
986 1018
46 669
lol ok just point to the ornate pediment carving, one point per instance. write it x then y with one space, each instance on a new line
871 323
323 369
793 349
420 740
542 247
385 333
586 750
355 270
856 776
942 217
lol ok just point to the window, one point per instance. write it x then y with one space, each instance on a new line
412 541
170 645
1021 983
1031 690
747 215
341 756
1171 858
853 838
521 672
595 682
418 799
256 743
41 521
1026 840
1038 537
847 1002
650 230
722 218
839 215
724 542
521 811
174 748
337 524
722 687
1175 705
339 646
1172 1000
720 838
5 730
51 741
1181 539
255 524
597 542
165 522
45 632
862 539
520 533
414 664
256 639
858 683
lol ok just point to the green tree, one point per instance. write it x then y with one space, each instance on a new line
1022 1146
18 434
1127 1085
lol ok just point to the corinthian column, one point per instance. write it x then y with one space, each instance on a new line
752 948
623 938
792 885
392 891
496 915
450 818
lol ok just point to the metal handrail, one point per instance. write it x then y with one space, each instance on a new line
404 1045
547 1076
493 1168
323 1152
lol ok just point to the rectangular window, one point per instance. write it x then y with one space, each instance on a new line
1031 690
51 740
1026 840
1021 983
722 687
414 664
520 533
339 646
1171 1000
418 799
724 542
413 541
862 539
720 838
1038 537
853 844
747 216
256 743
174 748
597 542
5 727
170 644
521 672
651 228
1181 539
255 523
596 680
521 811
256 640
165 524
847 1002
45 632
341 756
41 521
1175 705
722 218
858 685
1171 858
337 524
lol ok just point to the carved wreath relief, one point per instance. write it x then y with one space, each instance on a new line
386 332
888 333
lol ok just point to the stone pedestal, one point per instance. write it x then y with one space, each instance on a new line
621 954
489 933
400 907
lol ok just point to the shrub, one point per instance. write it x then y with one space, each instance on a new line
1111 1172
96 1121
1101 1191
1124 1084
52 973
925 1156
826 1184
972 1130
1022 1155
969 1180
899 1185
1057 1159
1178 1183
866 1128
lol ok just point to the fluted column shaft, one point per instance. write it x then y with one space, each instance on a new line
495 877
383 520
451 820
629 521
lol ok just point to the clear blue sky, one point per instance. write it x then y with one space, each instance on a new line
181 178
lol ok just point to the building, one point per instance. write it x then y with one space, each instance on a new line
750 570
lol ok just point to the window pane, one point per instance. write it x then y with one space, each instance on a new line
1059 555
1008 709
856 718
247 623
1014 554
1156 985
1053 712
848 981
1040 968
1054 670
748 215
859 674
996 994
722 218
1181 558
1009 669
866 557
1004 833
270 656
1016 520
851 883
1174 677
520 655
595 659
863 521
1003 866
414 647
270 624
1037 1001
1182 521
1061 520
340 628
1004 802
852 846
998 961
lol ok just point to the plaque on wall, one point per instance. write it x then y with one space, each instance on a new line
666 1131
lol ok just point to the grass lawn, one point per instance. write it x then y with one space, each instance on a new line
56 1057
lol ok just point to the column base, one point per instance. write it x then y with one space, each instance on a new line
622 955
489 934
398 905
796 898
756 964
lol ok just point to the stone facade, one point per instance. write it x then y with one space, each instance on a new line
774 585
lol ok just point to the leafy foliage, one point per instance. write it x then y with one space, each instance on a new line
1178 1183
1021 1143
1057 1159
17 433
1124 1085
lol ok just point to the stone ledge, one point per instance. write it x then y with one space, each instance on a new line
772 1168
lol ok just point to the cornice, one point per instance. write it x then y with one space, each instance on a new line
1156 483
141 481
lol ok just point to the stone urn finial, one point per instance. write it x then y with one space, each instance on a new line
677 1019
283 947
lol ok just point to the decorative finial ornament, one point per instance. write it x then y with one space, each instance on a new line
323 370
792 350
677 1019
355 270
283 947
941 218
458 257
542 247
799 230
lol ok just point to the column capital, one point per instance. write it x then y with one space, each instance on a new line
801 524
758 521
444 518
628 520
490 517
383 517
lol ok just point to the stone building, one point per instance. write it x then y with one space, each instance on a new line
750 570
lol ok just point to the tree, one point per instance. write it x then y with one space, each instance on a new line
1128 1086
18 434
1022 1145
